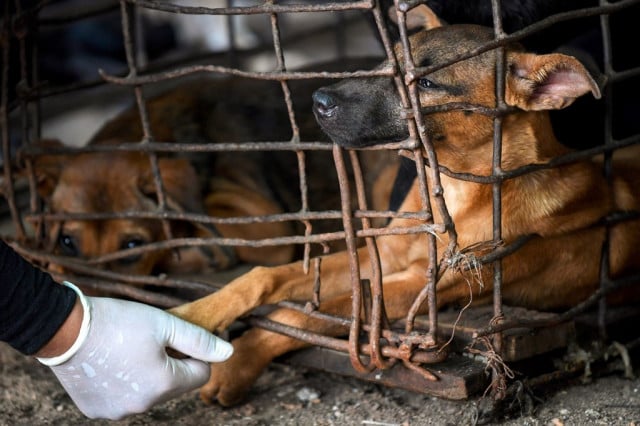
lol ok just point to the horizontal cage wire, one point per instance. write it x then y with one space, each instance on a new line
139 75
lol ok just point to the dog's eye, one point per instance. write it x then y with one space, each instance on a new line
129 244
425 83
68 245
133 243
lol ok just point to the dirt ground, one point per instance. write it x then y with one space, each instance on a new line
287 395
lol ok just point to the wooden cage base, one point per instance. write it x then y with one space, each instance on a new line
459 376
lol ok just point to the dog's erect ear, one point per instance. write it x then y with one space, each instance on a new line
47 168
180 182
545 82
420 17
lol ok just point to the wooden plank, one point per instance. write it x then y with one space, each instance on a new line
459 377
518 343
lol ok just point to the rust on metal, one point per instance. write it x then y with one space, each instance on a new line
419 353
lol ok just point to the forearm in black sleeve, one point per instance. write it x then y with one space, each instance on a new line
32 305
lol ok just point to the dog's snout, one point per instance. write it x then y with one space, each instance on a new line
323 103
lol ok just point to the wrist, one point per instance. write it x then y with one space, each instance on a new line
70 336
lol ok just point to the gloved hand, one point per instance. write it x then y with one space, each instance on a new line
122 368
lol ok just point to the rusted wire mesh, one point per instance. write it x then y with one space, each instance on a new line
23 90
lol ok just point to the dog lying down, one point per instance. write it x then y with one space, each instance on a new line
222 184
562 208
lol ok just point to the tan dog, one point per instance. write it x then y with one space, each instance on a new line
221 184
563 207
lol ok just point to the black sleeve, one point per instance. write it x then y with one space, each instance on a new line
32 305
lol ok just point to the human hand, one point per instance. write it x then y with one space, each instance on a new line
122 367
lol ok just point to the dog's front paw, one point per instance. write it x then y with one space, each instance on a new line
207 312
231 380
218 310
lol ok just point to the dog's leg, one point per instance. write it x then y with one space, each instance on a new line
253 351
270 285
267 285
256 348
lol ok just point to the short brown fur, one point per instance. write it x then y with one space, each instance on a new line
221 184
562 207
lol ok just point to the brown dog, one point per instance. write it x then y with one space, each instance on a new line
562 207
221 184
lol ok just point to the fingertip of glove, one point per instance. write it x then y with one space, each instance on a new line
197 342
223 350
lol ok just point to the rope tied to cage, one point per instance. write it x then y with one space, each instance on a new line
500 372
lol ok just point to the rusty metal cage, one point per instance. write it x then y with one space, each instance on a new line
402 356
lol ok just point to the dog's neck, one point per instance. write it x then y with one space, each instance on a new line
547 198
545 195
523 130
527 138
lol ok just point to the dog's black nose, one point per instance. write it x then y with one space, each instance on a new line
323 103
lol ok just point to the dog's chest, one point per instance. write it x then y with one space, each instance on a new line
469 205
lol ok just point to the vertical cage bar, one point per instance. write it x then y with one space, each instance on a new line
607 166
130 43
378 314
499 386
300 155
356 289
231 35
435 184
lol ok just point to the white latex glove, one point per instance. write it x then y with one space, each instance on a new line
118 366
